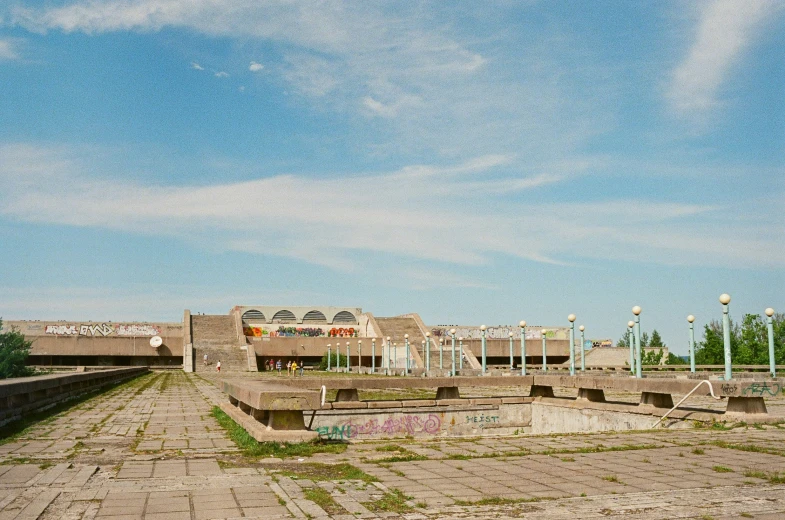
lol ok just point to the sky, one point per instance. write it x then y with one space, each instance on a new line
472 162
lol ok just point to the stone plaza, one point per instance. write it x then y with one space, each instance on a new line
154 448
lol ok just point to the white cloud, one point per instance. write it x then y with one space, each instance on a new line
724 30
459 215
221 74
8 50
196 66
255 67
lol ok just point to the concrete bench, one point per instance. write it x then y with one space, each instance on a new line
27 394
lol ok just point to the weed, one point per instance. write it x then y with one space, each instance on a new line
323 499
393 502
497 501
722 469
698 451
612 478
421 505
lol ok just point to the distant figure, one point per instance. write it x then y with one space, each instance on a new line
278 366
288 368
294 368
302 367
205 360
218 366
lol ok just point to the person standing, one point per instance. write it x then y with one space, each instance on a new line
205 360
302 367
278 366
294 368
218 366
288 368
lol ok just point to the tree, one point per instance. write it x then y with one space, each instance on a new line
656 340
333 361
14 350
749 343
652 357
673 359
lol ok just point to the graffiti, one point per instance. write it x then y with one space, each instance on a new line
758 389
94 330
482 419
138 330
404 425
283 332
729 389
61 330
103 329
343 333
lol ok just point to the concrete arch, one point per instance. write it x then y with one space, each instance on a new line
314 317
284 316
253 315
344 317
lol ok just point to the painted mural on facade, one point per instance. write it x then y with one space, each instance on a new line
300 332
103 329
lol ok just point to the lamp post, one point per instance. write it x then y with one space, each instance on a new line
583 348
348 359
441 354
770 326
389 352
395 355
484 348
511 361
329 356
373 356
427 351
571 319
631 341
422 349
691 320
338 356
406 341
523 347
638 370
725 300
360 356
544 355
452 335
460 352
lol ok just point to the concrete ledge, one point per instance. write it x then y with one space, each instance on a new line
384 404
418 403
349 405
260 432
23 395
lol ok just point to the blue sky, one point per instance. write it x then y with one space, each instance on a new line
474 163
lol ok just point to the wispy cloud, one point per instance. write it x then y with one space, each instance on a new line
255 67
8 50
725 29
221 74
196 66
427 213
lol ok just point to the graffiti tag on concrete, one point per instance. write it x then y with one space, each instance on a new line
758 389
481 420
402 425
103 329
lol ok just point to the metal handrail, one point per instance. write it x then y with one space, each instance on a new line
711 391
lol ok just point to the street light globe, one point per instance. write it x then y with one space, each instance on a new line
388 338
630 324
329 344
769 312
423 342
460 338
452 331
510 334
427 334
359 342
347 343
581 328
522 323
725 298
483 327
690 318
405 336
636 310
571 318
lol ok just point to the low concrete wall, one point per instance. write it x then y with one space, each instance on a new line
27 394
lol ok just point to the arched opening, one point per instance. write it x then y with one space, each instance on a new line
314 317
344 317
284 316
253 315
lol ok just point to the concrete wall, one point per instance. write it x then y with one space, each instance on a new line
100 338
299 312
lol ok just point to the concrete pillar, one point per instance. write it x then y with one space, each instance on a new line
286 420
448 392
746 405
541 391
656 400
347 394
595 395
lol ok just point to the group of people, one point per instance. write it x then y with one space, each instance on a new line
217 365
291 367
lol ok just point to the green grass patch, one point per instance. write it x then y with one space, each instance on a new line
323 499
391 502
722 469
698 451
498 501
322 472
773 478
747 447
252 448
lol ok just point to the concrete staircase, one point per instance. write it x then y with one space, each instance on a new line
216 336
397 328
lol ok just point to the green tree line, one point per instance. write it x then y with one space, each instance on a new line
651 357
14 350
749 342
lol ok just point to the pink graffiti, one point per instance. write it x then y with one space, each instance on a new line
406 424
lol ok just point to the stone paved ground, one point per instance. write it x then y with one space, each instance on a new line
151 449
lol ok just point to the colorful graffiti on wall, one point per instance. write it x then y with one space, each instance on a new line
283 332
393 425
103 329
